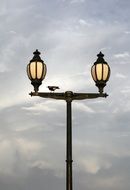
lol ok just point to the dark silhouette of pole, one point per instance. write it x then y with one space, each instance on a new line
69 177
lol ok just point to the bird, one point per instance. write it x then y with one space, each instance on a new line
53 88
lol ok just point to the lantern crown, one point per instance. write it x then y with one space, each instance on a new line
100 58
36 56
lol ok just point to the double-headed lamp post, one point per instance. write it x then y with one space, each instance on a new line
36 71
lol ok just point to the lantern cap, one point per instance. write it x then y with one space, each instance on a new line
36 56
100 58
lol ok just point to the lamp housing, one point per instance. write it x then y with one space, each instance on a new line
100 72
36 70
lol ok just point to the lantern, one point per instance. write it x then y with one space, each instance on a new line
36 70
100 72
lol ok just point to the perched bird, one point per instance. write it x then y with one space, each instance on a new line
53 88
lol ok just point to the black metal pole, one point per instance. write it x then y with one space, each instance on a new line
69 147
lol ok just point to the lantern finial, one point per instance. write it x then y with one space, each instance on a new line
100 54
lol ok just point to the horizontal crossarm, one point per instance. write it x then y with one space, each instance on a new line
68 95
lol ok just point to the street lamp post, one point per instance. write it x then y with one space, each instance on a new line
36 71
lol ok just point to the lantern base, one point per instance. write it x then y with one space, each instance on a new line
36 85
100 85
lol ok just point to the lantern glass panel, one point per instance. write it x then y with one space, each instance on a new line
105 72
93 73
28 72
44 71
33 70
99 71
39 70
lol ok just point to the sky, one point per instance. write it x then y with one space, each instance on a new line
69 34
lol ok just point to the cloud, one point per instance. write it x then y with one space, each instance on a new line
82 107
121 76
38 107
94 165
122 55
77 1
